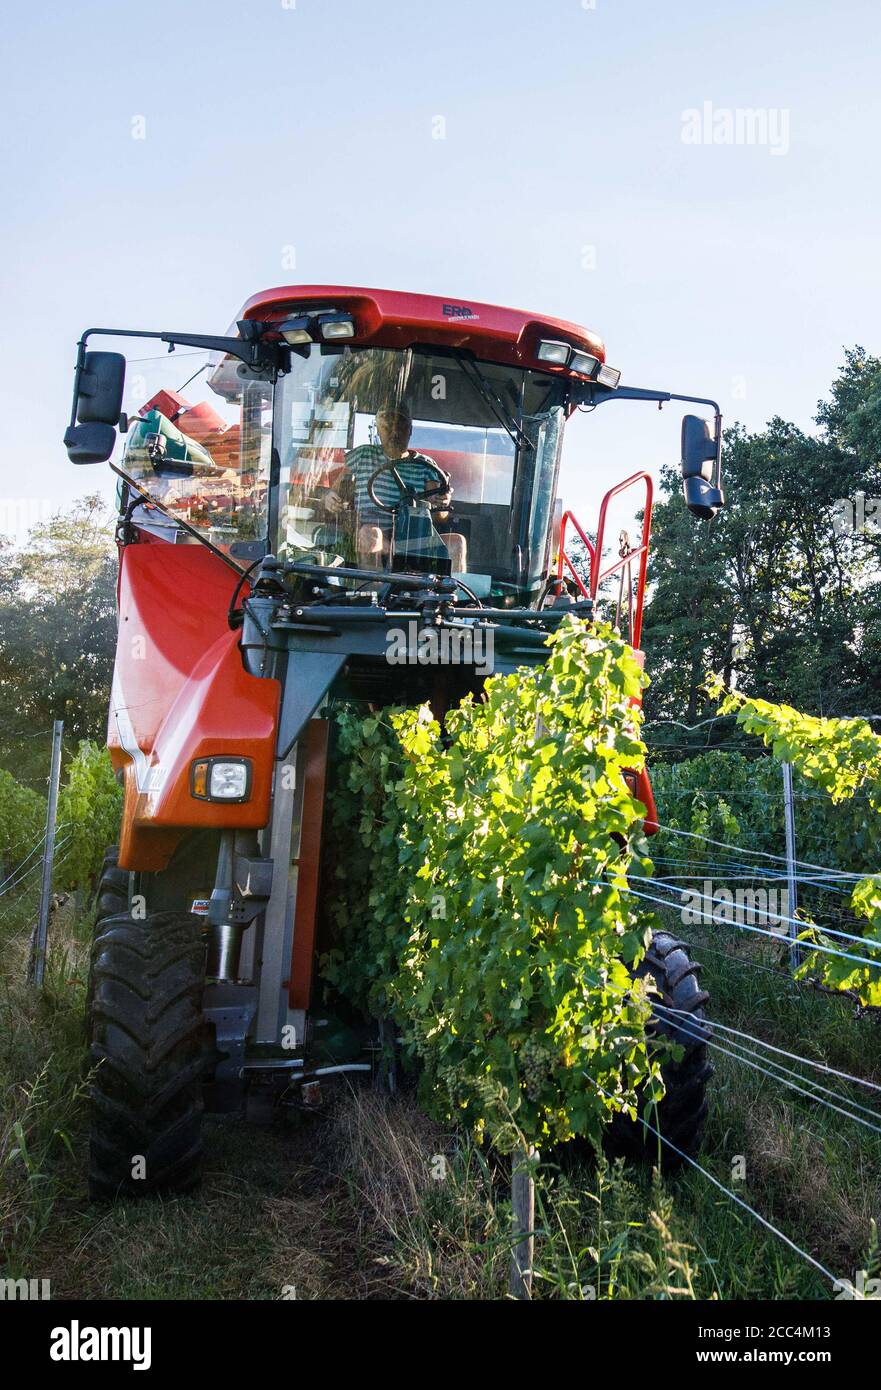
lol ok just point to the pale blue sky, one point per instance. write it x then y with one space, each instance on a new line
721 270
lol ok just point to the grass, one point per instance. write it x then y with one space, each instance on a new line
372 1200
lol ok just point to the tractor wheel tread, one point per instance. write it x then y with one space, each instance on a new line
111 899
140 1109
177 1175
127 1046
687 967
131 972
682 1113
662 944
147 1051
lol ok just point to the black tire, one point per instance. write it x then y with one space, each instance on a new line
111 897
681 1115
146 1045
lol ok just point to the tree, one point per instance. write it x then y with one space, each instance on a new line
58 623
776 592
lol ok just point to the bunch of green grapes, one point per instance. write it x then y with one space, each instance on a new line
536 1064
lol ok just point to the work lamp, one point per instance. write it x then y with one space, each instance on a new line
336 326
583 363
608 376
296 330
551 351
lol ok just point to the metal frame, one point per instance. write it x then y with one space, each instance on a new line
595 551
281 845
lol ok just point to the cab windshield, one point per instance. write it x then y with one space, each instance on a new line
419 460
199 441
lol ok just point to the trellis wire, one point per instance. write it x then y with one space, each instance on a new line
771 936
38 864
763 854
793 921
769 1225
774 1076
16 872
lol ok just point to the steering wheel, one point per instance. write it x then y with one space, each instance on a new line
409 495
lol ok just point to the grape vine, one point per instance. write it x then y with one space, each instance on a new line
843 756
481 894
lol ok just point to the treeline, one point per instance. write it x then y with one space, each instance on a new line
780 592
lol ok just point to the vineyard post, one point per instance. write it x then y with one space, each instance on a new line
791 877
38 954
523 1221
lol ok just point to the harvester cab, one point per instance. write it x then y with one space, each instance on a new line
351 496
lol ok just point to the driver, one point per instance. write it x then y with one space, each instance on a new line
394 424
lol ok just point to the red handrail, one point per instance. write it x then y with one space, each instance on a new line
595 551
563 558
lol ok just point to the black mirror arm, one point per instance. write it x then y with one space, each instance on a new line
247 348
593 394
77 377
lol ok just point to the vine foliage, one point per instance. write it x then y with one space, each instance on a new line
481 897
843 757
89 809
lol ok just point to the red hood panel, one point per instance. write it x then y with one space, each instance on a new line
180 693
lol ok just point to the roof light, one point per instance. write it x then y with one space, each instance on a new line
551 351
583 363
337 326
608 376
296 331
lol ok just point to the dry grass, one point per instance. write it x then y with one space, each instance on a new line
41 1082
794 1163
386 1149
424 1200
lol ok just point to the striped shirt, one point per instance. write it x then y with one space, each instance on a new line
416 470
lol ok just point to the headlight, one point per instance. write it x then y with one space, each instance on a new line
337 326
221 779
296 330
228 781
608 376
551 351
583 363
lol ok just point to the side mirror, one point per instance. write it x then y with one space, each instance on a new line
91 443
98 388
700 467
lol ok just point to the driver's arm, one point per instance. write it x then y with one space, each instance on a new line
341 497
432 473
